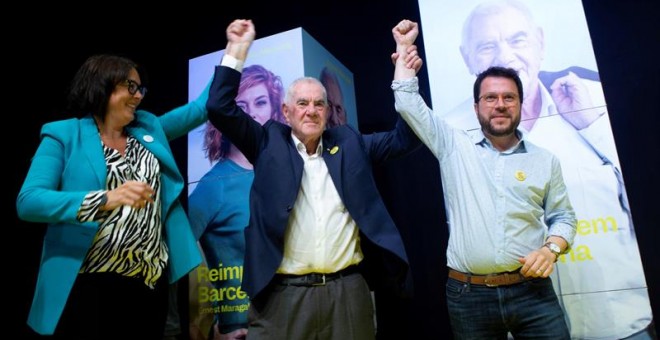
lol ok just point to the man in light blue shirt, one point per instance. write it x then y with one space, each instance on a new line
601 282
508 209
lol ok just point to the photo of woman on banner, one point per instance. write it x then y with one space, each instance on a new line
219 212
600 281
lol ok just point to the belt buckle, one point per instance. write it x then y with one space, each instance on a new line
317 283
488 282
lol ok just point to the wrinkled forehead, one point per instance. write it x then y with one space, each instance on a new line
496 23
308 90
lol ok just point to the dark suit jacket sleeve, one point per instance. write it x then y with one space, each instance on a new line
392 144
229 118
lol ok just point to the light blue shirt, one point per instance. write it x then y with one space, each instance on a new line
500 205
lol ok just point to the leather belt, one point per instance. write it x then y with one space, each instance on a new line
490 280
313 279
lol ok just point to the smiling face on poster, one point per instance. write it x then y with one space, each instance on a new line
503 37
564 111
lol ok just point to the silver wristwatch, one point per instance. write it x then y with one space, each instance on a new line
554 248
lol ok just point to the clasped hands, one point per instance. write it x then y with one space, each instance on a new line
133 193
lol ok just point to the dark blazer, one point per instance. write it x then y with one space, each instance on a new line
278 171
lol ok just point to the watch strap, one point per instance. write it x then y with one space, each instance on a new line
554 248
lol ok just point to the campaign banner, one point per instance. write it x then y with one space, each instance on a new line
600 281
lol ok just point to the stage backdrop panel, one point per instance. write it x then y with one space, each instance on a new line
290 55
601 281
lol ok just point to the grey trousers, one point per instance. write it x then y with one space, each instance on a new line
341 309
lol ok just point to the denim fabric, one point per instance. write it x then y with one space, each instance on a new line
527 310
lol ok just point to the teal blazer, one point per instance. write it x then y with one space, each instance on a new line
68 164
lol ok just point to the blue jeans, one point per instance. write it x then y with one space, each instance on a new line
528 310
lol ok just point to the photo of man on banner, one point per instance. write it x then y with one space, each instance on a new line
601 281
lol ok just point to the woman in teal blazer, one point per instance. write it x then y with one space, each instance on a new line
108 187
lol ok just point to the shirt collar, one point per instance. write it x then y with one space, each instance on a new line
548 107
477 136
300 146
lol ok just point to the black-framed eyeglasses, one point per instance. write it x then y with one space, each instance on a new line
491 99
134 87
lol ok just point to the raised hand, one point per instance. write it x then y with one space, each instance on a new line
405 32
240 35
406 60
412 59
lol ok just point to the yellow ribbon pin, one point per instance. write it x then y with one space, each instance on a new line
334 150
520 175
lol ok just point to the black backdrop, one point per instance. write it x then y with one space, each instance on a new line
46 50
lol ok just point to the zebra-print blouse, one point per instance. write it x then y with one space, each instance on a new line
129 241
